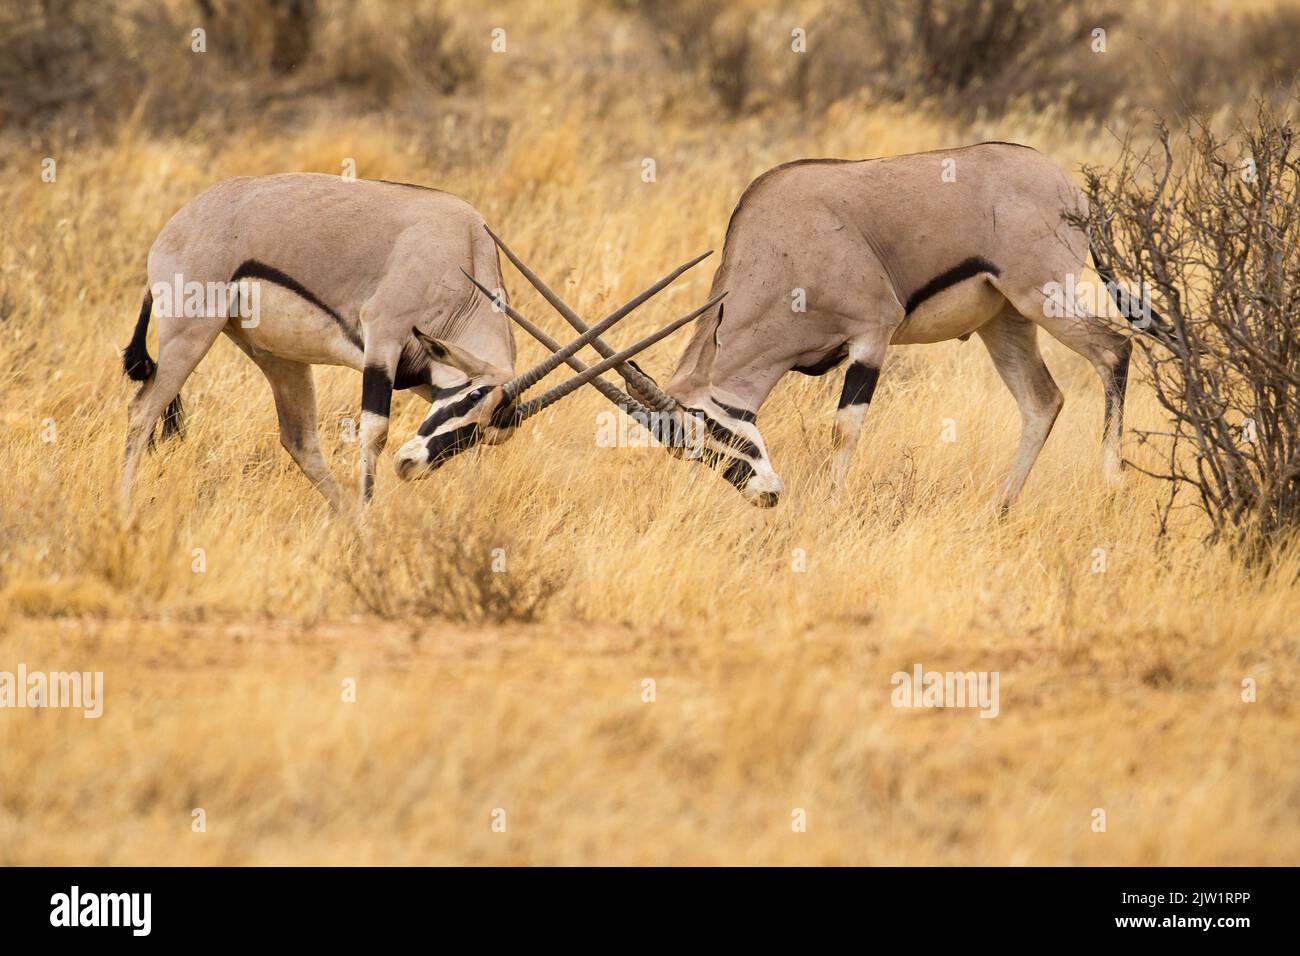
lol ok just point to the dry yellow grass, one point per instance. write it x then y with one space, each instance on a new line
1120 690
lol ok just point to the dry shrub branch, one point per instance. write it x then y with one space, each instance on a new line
446 563
1210 225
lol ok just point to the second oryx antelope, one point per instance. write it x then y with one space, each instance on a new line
368 275
908 249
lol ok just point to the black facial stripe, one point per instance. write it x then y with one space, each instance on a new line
743 414
441 392
669 430
454 442
665 427
859 384
738 472
252 269
376 390
966 269
454 410
726 436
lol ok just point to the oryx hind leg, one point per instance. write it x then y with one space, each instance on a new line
295 407
181 345
1095 339
1012 341
1109 353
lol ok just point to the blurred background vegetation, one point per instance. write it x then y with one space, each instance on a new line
87 65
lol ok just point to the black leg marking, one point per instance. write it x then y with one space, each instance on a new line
376 390
173 422
859 384
966 269
1121 369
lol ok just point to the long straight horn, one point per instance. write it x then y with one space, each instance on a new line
532 407
624 401
634 377
522 383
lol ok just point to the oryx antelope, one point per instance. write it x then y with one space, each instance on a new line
902 250
368 275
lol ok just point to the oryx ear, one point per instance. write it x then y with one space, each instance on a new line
445 353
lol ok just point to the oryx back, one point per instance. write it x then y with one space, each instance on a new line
320 247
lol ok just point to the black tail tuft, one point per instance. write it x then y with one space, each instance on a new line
1141 316
173 422
139 367
136 363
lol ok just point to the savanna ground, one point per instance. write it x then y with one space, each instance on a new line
1122 653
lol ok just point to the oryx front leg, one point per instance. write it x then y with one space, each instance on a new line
1012 342
376 404
865 361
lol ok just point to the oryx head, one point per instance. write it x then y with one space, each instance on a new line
489 407
461 416
698 428
725 436
727 439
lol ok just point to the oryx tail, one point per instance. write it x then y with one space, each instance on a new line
140 367
1142 316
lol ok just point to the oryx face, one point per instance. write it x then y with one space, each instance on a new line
732 445
470 414
462 416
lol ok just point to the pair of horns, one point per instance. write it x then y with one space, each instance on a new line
641 384
650 397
